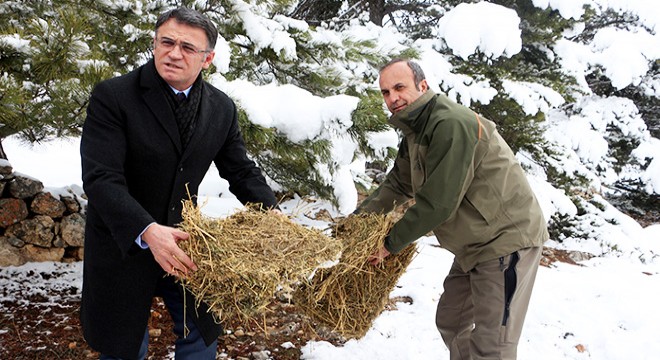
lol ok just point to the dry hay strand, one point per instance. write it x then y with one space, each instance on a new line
352 293
242 259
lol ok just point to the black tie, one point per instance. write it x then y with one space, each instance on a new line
180 96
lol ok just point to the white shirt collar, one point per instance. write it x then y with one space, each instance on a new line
186 91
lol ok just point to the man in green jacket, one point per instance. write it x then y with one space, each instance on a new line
473 194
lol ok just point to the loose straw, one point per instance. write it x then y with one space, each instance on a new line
351 294
244 258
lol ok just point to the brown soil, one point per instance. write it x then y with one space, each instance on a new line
53 332
41 322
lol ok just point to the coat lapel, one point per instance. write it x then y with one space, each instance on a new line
156 101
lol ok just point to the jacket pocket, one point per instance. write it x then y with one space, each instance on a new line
477 221
418 174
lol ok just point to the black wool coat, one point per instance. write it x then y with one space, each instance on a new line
134 173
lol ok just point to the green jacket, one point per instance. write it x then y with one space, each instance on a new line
468 187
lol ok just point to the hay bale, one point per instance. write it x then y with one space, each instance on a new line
244 258
351 294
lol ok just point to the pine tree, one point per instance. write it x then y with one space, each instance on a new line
51 59
51 55
540 29
628 194
62 54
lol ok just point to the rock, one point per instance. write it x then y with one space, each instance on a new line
15 242
10 255
56 228
289 329
58 242
72 205
38 226
45 204
260 355
13 256
80 253
72 230
578 256
327 333
12 211
23 187
39 254
37 231
5 168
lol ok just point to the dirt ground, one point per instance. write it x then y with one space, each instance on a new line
53 332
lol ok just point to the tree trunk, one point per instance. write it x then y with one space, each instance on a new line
377 11
316 11
2 151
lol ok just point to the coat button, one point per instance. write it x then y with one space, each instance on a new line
181 169
173 208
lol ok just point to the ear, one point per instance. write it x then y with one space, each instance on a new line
423 86
208 58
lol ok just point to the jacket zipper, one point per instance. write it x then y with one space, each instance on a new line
510 283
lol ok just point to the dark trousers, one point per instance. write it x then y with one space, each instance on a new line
481 312
188 346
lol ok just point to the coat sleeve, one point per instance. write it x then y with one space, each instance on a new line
395 190
448 163
245 179
103 150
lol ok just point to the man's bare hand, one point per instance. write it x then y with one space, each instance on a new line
277 212
162 241
378 256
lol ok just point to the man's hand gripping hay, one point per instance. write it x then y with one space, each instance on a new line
244 258
351 294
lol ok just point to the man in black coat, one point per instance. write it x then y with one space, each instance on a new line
141 146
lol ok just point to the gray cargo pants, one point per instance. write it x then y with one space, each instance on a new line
481 312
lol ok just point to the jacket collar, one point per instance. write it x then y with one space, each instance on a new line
409 120
155 97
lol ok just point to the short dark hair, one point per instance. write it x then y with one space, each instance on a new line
418 73
193 18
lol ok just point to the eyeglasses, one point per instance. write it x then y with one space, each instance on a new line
186 48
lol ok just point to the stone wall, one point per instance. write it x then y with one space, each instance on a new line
38 224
